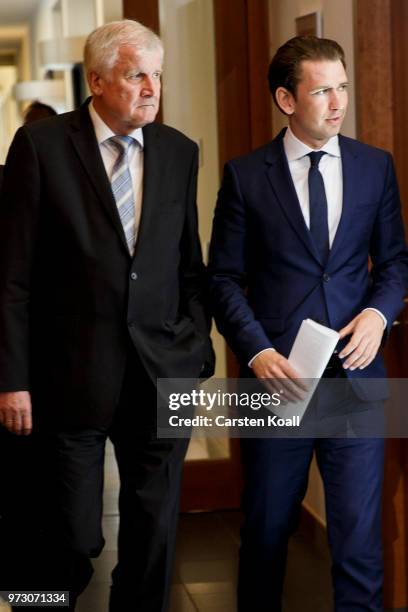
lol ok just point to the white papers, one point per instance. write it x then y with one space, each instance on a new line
310 354
312 349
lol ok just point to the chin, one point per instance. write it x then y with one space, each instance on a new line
145 119
332 132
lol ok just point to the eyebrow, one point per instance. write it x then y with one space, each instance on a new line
321 87
141 71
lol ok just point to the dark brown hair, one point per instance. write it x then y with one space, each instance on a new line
38 110
285 67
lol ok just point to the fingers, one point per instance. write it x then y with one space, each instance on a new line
287 392
364 362
359 352
282 387
272 385
26 424
355 347
19 424
350 346
367 330
278 375
15 412
292 392
347 330
356 357
360 359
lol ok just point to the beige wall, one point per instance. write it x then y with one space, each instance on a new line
51 20
45 25
189 102
18 37
8 109
113 10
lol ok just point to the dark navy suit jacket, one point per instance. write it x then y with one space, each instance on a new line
265 273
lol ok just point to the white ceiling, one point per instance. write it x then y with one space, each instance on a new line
16 11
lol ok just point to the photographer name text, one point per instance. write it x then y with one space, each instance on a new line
223 421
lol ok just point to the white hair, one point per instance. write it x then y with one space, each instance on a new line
102 45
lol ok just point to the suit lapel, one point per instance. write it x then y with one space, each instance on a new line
86 146
282 184
152 179
348 157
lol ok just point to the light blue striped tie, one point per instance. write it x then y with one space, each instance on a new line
122 188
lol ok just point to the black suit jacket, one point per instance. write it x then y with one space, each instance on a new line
70 294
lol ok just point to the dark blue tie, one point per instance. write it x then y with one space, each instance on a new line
319 227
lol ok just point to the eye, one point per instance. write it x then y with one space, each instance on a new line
135 76
157 75
343 87
321 92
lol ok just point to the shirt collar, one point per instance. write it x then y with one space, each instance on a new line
103 132
295 148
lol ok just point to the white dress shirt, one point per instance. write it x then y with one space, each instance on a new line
110 153
331 170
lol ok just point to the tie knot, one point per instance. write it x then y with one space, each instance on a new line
315 157
122 143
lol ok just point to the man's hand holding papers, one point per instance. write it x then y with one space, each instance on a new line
277 374
296 377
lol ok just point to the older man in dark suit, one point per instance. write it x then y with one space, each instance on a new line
101 294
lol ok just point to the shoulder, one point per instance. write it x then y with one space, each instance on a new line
362 149
366 160
57 122
52 129
170 137
267 153
255 158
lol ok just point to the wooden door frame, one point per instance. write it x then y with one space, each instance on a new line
147 12
244 122
381 43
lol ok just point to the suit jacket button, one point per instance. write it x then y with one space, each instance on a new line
133 276
326 278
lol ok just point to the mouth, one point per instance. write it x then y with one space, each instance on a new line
335 120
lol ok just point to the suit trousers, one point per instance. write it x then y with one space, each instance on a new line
276 477
66 532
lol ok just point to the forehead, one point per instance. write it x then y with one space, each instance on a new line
130 55
321 72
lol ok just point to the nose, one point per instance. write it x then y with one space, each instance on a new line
148 86
334 100
337 99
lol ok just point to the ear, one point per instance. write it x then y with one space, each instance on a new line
285 100
95 83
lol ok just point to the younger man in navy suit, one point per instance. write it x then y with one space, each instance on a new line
295 224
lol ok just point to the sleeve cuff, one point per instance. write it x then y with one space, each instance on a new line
255 356
385 322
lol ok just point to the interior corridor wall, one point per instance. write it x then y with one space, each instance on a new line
190 103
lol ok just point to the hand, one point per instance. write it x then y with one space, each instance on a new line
366 331
278 375
15 412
